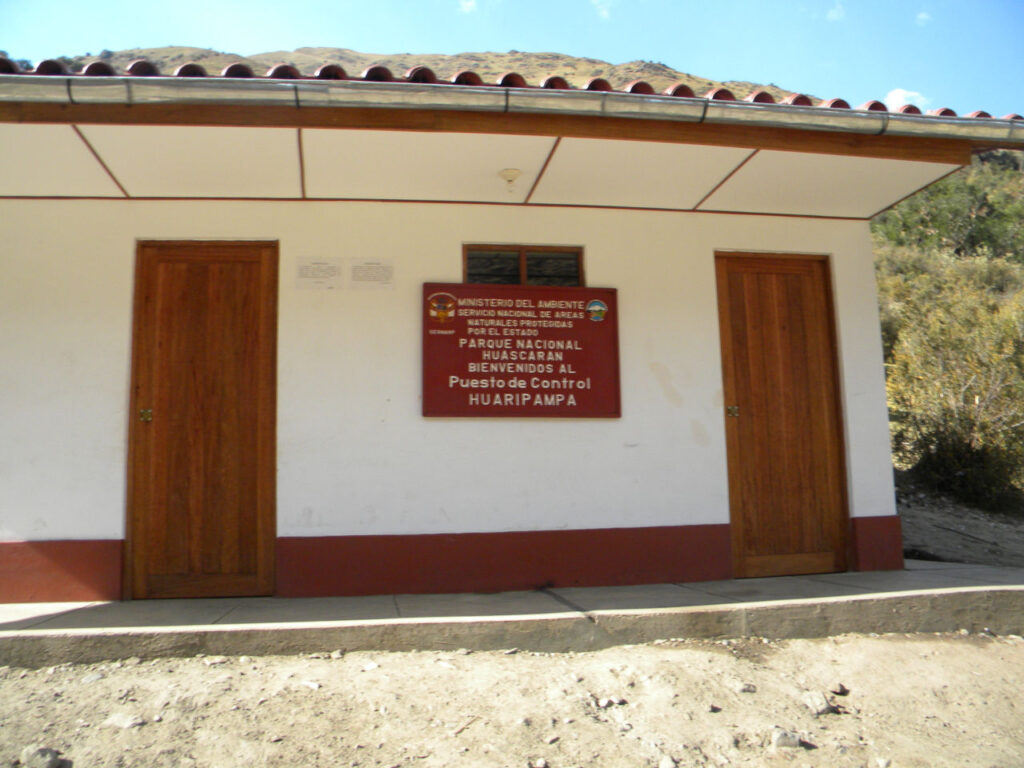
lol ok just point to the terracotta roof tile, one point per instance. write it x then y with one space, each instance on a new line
284 72
331 72
378 73
424 75
512 80
421 75
873 106
798 100
720 94
681 90
467 77
639 86
142 68
50 67
760 97
598 84
237 70
556 82
190 70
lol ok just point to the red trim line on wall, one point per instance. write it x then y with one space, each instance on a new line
86 570
492 562
877 543
60 571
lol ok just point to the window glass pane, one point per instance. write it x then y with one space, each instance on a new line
492 267
552 269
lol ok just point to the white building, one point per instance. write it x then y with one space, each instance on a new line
212 332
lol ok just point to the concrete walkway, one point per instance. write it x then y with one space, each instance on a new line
926 597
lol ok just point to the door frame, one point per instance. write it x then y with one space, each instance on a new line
844 545
266 473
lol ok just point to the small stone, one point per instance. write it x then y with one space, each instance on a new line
244 660
540 762
124 720
781 738
214 660
883 762
34 756
92 677
510 652
818 703
338 654
552 739
748 688
311 685
666 762
604 703
714 708
370 667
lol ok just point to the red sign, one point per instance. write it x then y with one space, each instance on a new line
510 350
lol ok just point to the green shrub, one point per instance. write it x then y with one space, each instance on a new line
955 371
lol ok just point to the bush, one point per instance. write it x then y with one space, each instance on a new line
975 211
955 371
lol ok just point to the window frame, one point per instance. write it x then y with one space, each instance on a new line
576 250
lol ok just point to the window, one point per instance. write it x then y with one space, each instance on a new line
523 265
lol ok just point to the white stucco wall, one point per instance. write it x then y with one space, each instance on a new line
354 454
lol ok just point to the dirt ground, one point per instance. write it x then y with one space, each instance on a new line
936 700
853 700
936 527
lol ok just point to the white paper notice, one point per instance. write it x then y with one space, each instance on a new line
372 273
323 274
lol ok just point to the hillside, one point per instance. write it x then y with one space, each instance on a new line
490 66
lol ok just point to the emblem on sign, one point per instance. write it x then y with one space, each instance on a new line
441 307
596 310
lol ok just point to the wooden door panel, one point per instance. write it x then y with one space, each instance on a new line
786 472
201 519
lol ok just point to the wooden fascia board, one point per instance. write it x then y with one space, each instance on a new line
922 149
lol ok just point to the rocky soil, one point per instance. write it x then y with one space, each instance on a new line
936 700
854 700
935 527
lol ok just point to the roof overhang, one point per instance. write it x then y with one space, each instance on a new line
168 138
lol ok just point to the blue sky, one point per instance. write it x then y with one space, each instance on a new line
961 54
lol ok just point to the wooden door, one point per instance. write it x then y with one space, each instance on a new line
787 489
201 496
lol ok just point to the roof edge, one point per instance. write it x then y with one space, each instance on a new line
341 94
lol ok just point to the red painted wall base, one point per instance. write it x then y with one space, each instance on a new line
877 543
60 571
493 562
72 571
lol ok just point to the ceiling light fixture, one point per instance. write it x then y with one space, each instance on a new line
510 175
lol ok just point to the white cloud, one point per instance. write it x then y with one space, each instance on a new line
467 6
898 97
836 12
922 18
603 8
